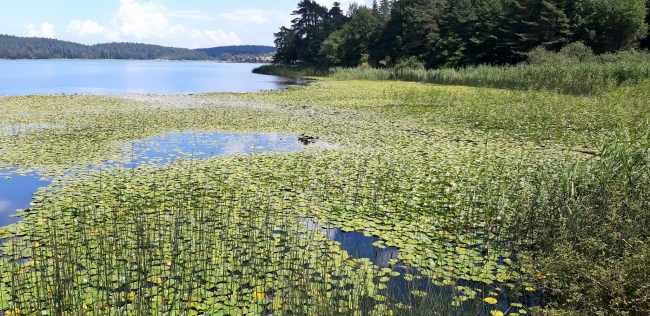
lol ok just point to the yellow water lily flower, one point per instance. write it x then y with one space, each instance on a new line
496 313
14 311
490 300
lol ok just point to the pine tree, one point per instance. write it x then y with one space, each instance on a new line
525 26
553 25
456 29
375 8
384 9
645 43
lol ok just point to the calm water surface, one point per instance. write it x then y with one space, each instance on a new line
16 192
26 77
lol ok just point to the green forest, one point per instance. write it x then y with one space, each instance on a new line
13 47
458 33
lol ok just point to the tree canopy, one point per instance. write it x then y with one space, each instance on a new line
456 33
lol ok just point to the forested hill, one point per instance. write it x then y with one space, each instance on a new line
254 50
457 33
13 47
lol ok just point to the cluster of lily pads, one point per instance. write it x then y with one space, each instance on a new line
223 235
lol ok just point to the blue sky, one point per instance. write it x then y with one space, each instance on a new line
178 23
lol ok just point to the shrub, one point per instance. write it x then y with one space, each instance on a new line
577 51
409 63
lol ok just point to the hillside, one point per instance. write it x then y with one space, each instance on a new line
14 47
254 50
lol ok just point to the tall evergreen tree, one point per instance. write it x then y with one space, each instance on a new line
413 30
311 28
553 26
383 10
286 43
457 27
645 43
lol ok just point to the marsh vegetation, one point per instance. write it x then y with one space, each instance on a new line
484 201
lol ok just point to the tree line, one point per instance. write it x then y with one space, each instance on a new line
13 47
456 33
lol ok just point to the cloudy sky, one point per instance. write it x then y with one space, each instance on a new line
178 23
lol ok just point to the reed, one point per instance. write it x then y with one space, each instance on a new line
574 78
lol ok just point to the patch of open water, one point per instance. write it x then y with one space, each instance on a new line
16 192
359 245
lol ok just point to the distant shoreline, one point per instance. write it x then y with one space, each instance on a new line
161 60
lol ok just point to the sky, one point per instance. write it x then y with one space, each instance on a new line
176 23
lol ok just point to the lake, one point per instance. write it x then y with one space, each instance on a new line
16 191
27 77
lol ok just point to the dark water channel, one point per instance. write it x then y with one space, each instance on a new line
17 191
358 245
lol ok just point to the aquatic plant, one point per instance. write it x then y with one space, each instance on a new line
437 172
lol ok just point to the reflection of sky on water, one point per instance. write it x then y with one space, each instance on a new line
16 192
358 245
199 145
22 77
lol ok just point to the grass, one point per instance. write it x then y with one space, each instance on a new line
495 196
574 78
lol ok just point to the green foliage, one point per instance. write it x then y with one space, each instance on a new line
588 227
609 25
459 33
472 186
410 63
312 26
412 30
549 71
577 52
347 46
541 55
12 47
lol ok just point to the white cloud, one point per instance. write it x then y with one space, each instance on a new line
146 21
221 38
191 14
46 30
151 22
255 16
5 206
142 21
89 27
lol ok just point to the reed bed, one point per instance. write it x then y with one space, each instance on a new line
575 78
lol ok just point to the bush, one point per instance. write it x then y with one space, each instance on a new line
540 56
409 63
577 52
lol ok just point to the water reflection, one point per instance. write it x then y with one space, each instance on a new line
200 145
401 287
16 192
23 77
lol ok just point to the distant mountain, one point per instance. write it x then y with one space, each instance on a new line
253 50
14 47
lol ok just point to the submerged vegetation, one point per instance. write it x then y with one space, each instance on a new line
497 202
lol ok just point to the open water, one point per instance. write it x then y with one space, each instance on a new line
28 77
